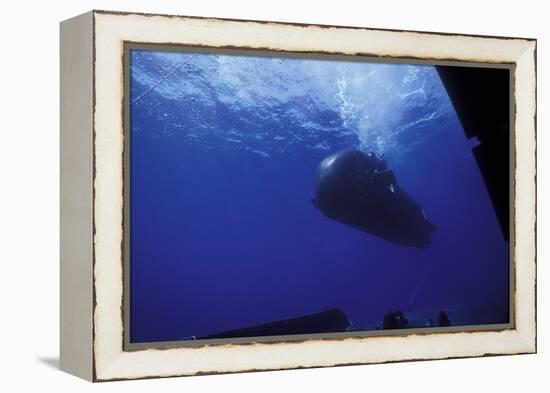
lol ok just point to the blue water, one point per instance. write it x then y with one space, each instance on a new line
223 233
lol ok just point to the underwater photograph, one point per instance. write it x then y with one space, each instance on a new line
284 194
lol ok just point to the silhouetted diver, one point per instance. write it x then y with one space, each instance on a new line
443 319
359 190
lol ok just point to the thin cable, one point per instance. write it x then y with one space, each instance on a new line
162 79
420 281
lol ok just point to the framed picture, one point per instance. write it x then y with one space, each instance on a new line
247 195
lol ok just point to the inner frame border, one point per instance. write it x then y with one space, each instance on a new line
128 46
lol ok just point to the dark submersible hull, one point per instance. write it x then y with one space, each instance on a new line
328 321
359 190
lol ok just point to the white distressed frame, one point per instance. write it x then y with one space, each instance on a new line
110 31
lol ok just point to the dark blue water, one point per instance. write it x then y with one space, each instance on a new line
223 158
